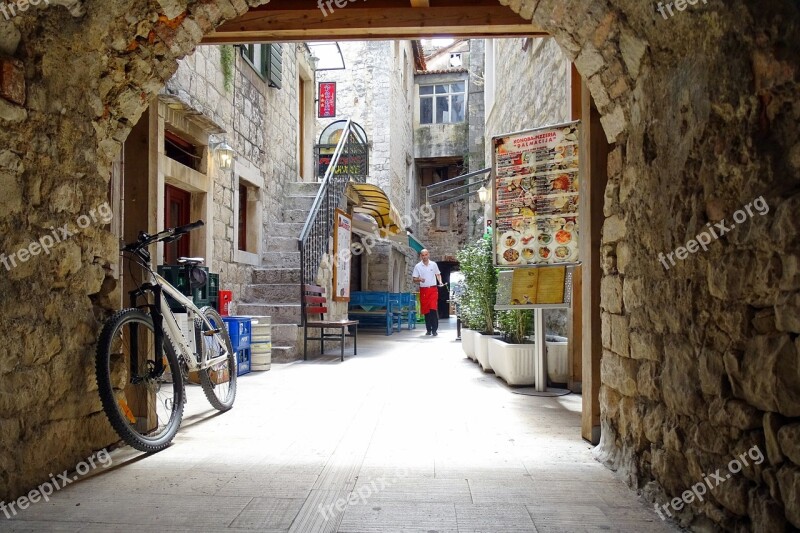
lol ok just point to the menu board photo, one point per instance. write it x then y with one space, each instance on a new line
535 200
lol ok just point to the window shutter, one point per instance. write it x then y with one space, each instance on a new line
274 65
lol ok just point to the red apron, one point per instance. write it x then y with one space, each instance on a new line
428 299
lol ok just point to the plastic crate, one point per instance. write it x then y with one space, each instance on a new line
176 276
243 358
240 330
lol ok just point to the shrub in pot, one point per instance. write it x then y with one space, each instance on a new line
477 303
514 357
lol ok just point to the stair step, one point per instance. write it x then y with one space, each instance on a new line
284 334
296 216
298 202
303 188
285 354
280 313
289 228
282 244
282 260
276 275
288 293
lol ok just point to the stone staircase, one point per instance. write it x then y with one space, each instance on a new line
275 288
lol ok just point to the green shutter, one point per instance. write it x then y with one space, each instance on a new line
274 65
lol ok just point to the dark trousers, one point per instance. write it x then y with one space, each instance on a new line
432 320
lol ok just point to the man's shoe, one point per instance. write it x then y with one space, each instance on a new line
427 333
435 334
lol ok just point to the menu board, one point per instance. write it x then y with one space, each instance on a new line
535 196
341 265
538 285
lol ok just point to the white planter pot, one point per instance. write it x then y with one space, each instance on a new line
515 363
482 350
468 342
557 359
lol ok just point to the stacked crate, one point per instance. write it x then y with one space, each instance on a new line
261 343
240 332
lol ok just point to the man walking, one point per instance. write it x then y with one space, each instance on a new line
427 274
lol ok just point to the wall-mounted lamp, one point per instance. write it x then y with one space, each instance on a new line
224 154
483 194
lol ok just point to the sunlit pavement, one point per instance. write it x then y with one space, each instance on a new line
408 435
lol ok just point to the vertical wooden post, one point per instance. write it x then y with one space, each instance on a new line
594 162
574 317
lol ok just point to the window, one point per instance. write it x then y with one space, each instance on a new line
442 103
266 60
247 217
456 60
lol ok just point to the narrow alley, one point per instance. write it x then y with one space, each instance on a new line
409 435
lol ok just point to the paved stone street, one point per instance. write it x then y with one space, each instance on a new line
407 436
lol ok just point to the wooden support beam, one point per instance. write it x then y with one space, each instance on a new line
420 3
304 21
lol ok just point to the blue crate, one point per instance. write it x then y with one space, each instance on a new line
240 330
243 359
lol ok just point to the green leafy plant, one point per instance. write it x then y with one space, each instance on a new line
480 278
226 56
516 325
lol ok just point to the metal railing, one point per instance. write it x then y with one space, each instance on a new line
350 161
455 189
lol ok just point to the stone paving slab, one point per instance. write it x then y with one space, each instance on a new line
409 435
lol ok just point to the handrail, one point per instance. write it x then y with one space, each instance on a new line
313 241
430 196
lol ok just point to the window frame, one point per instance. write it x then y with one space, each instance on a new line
449 94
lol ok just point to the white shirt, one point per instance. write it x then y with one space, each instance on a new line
427 273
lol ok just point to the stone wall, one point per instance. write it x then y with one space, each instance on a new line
701 360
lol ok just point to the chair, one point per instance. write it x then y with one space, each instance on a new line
314 303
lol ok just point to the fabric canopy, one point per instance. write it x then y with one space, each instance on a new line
371 200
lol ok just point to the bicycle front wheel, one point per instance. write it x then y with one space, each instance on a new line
144 404
218 381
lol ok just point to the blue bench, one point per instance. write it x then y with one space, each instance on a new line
404 308
373 308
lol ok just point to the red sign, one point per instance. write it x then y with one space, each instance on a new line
327 99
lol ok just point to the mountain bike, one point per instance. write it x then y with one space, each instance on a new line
144 353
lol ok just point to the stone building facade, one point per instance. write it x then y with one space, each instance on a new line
700 361
374 90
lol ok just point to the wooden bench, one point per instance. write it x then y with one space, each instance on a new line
314 303
373 308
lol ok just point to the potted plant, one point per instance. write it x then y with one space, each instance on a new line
513 357
480 280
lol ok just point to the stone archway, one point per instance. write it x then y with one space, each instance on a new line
700 359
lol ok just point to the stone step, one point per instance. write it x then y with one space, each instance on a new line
296 215
285 354
276 275
284 334
288 229
284 293
282 244
282 260
280 313
301 188
298 202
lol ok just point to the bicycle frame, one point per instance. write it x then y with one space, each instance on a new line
166 323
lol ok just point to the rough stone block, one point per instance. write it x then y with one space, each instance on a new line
619 373
611 294
679 379
787 314
647 381
767 374
789 439
633 293
614 229
645 345
632 49
12 81
735 413
772 425
620 335
765 513
789 483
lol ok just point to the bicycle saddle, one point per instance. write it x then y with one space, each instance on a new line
191 261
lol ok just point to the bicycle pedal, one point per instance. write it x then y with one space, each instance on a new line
212 332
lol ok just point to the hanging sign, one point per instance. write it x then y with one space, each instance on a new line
327 99
535 198
342 236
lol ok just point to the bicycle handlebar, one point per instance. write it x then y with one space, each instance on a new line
146 239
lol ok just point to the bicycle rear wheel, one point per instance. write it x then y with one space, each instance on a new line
144 407
218 381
